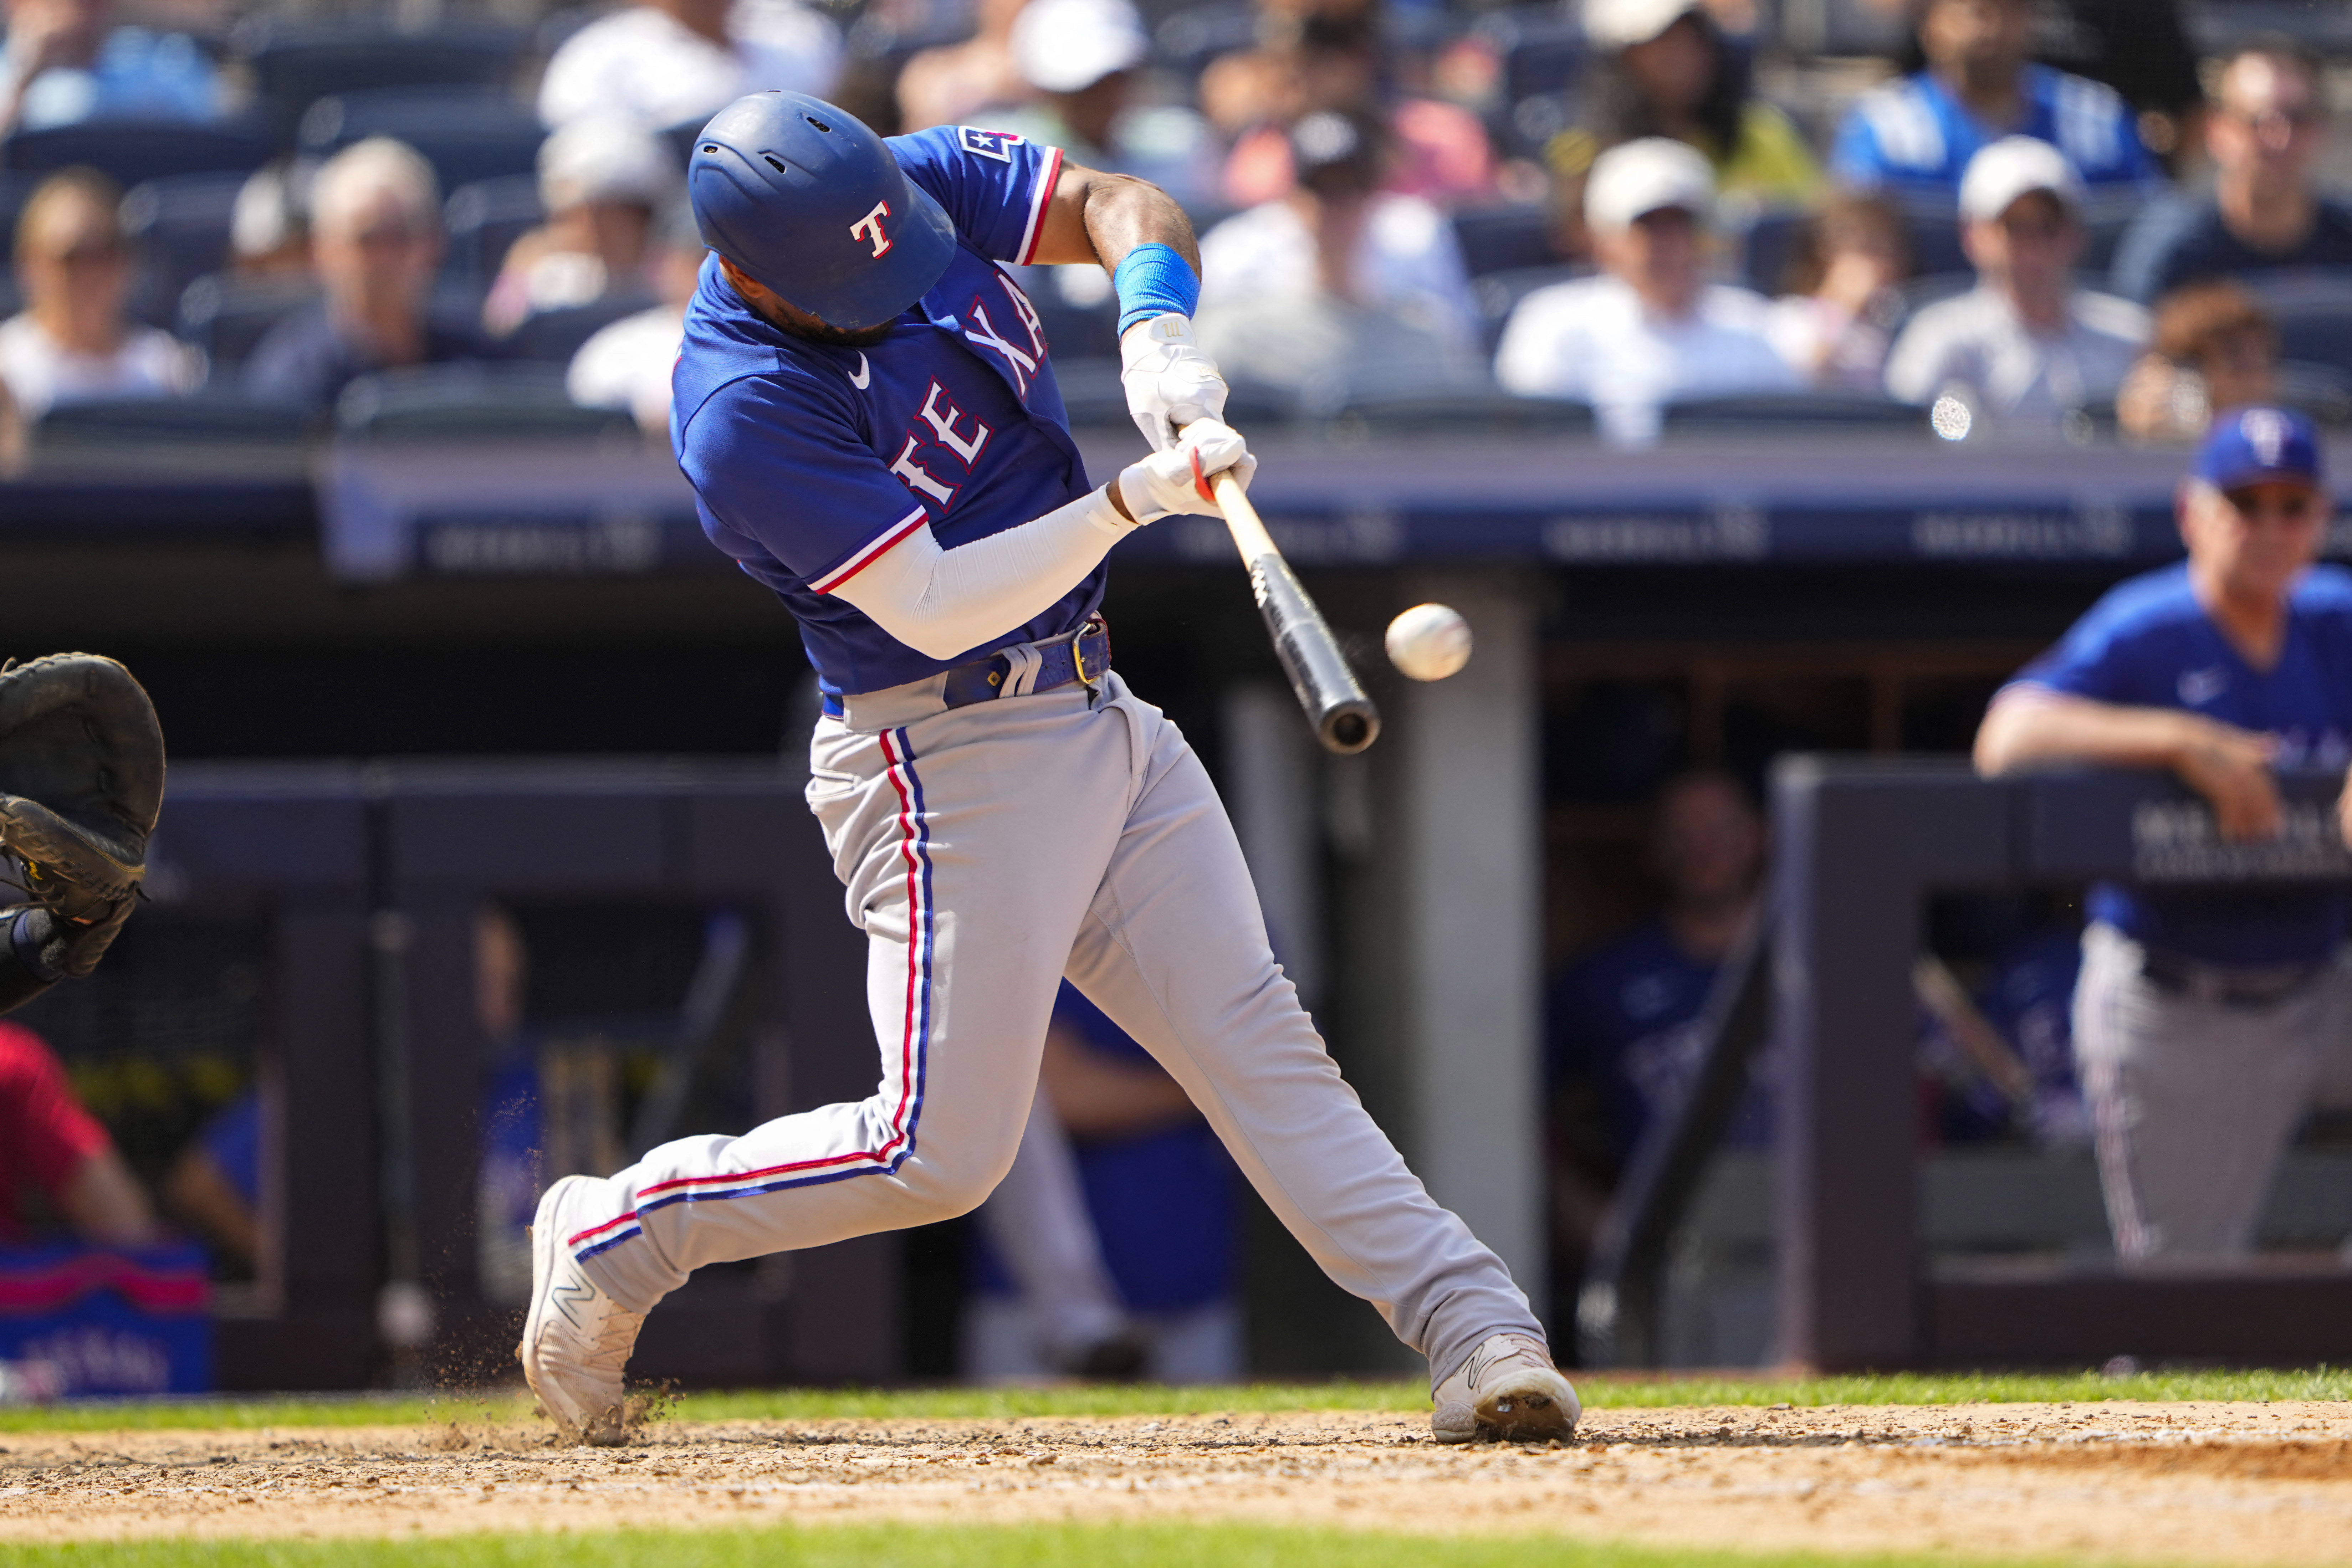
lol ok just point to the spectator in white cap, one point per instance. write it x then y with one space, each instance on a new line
601 180
1079 58
1664 67
2025 347
1339 281
672 62
1650 330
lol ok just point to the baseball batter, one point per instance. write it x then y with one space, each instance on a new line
866 408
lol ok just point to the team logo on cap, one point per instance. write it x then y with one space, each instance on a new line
2266 430
869 228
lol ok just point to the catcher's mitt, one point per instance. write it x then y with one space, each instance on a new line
81 780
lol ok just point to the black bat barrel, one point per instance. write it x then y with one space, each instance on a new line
1345 719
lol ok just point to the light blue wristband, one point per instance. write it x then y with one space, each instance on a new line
1153 280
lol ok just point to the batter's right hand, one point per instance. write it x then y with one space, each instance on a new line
2232 769
1177 480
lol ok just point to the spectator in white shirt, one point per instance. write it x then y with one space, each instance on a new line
1338 283
628 365
675 61
73 342
601 180
1651 329
2024 348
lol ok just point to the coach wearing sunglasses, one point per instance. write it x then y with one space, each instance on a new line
2207 1020
2267 130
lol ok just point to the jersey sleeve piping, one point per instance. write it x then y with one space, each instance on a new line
873 551
1048 178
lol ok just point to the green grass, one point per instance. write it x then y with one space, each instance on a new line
1599 1392
932 1546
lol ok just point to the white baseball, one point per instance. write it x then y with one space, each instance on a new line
1429 641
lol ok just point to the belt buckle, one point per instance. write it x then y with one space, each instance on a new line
1078 653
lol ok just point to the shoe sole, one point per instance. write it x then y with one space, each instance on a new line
604 1431
1526 1412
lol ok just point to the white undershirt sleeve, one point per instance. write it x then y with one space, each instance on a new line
941 602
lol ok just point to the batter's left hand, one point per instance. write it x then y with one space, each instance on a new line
1170 382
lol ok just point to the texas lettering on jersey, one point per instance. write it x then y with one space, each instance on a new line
941 444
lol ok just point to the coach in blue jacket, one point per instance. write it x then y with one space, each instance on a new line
2207 1019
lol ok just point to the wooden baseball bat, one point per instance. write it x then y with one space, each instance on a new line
1344 718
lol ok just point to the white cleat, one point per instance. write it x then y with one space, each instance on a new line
576 1341
1509 1390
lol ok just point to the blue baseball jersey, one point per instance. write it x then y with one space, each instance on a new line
1914 133
1624 1019
2148 644
808 461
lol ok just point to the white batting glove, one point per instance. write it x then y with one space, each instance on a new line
1170 382
1177 480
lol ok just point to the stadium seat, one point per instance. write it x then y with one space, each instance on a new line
1542 49
470 402
295 63
484 219
1504 239
1186 42
132 151
1499 293
180 228
2322 392
206 422
2218 26
553 337
1459 414
226 316
1844 28
1766 243
1780 413
2316 331
1935 228
465 134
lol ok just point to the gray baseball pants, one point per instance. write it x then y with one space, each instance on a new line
2193 1102
989 851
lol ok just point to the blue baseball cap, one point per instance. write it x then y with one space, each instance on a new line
2251 445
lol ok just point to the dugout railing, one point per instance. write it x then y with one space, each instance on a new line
373 876
1862 846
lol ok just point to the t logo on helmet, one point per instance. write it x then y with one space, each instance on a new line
873 221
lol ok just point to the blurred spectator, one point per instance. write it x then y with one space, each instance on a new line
1081 57
1338 283
1921 133
1831 325
2139 47
62 63
2267 130
1622 1040
950 84
376 231
1111 1248
72 340
2024 347
678 62
53 1146
1666 69
2208 1019
627 364
214 1186
1326 57
1651 329
2214 347
270 226
600 182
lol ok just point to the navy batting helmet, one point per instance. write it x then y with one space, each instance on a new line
810 205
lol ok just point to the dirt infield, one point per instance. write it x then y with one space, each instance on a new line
2207 1482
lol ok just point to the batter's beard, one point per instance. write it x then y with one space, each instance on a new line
816 331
